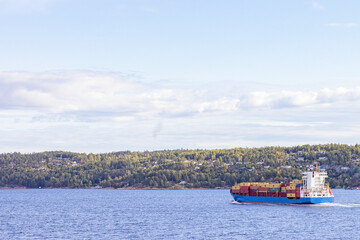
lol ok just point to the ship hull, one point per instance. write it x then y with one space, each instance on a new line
281 200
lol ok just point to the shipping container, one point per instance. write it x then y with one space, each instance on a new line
274 185
253 194
291 187
245 184
290 195
297 181
263 189
272 194
274 189
282 194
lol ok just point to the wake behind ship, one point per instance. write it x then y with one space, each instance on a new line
311 189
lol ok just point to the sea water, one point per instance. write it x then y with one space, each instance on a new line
169 214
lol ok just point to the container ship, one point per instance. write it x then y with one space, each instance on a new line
311 189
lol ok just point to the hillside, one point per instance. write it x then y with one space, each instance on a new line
179 168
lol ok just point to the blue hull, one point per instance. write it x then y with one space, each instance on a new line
281 200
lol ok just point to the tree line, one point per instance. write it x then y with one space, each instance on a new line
220 168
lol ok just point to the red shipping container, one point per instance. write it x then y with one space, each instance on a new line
263 189
253 194
271 194
262 194
282 194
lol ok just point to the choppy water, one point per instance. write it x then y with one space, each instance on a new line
169 214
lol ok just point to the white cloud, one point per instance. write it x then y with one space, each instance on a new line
344 25
88 93
289 99
68 91
281 99
91 95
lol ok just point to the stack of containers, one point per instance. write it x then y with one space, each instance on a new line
297 192
262 191
235 189
283 190
290 190
253 191
274 189
298 186
244 190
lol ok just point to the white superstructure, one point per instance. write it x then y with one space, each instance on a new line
314 185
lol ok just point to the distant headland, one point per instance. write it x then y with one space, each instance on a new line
179 169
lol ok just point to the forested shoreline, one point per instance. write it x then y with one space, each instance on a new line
219 168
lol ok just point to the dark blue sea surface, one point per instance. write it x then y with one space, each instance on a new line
169 214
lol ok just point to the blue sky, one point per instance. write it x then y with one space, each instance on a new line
99 76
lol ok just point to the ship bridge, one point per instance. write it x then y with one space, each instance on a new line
314 184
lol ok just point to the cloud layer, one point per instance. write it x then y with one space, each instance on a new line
99 112
119 97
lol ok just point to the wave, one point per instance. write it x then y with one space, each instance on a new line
346 205
240 203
